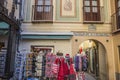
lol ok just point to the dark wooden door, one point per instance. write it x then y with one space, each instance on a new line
91 10
43 9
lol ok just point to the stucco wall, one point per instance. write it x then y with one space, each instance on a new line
112 6
79 11
57 27
116 41
59 45
102 62
9 5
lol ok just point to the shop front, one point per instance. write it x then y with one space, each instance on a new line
9 33
41 44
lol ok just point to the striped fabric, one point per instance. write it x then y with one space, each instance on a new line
55 68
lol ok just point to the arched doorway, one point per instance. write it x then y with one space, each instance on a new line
96 58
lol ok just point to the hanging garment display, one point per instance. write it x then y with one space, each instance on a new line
81 62
67 62
77 63
84 63
50 59
43 65
61 68
55 68
39 64
72 75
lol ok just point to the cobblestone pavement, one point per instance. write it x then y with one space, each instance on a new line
85 76
89 77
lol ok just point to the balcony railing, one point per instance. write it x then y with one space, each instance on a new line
93 14
42 13
115 19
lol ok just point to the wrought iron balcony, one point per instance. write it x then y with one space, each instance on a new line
42 13
115 20
93 14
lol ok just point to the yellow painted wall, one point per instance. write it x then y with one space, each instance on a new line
116 41
112 6
57 27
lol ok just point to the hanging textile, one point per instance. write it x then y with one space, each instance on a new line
80 50
84 63
80 63
50 59
55 68
72 75
61 69
67 64
77 63
43 65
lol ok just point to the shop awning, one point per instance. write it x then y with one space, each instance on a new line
4 25
3 28
47 35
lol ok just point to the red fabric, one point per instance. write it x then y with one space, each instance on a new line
55 68
67 55
61 70
80 50
57 61
66 69
72 70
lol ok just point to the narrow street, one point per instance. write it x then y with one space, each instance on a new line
59 39
89 77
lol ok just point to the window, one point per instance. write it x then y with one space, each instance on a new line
91 10
43 5
43 10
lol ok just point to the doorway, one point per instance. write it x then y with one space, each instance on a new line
96 58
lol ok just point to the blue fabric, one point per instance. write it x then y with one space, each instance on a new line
77 63
85 63
30 78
